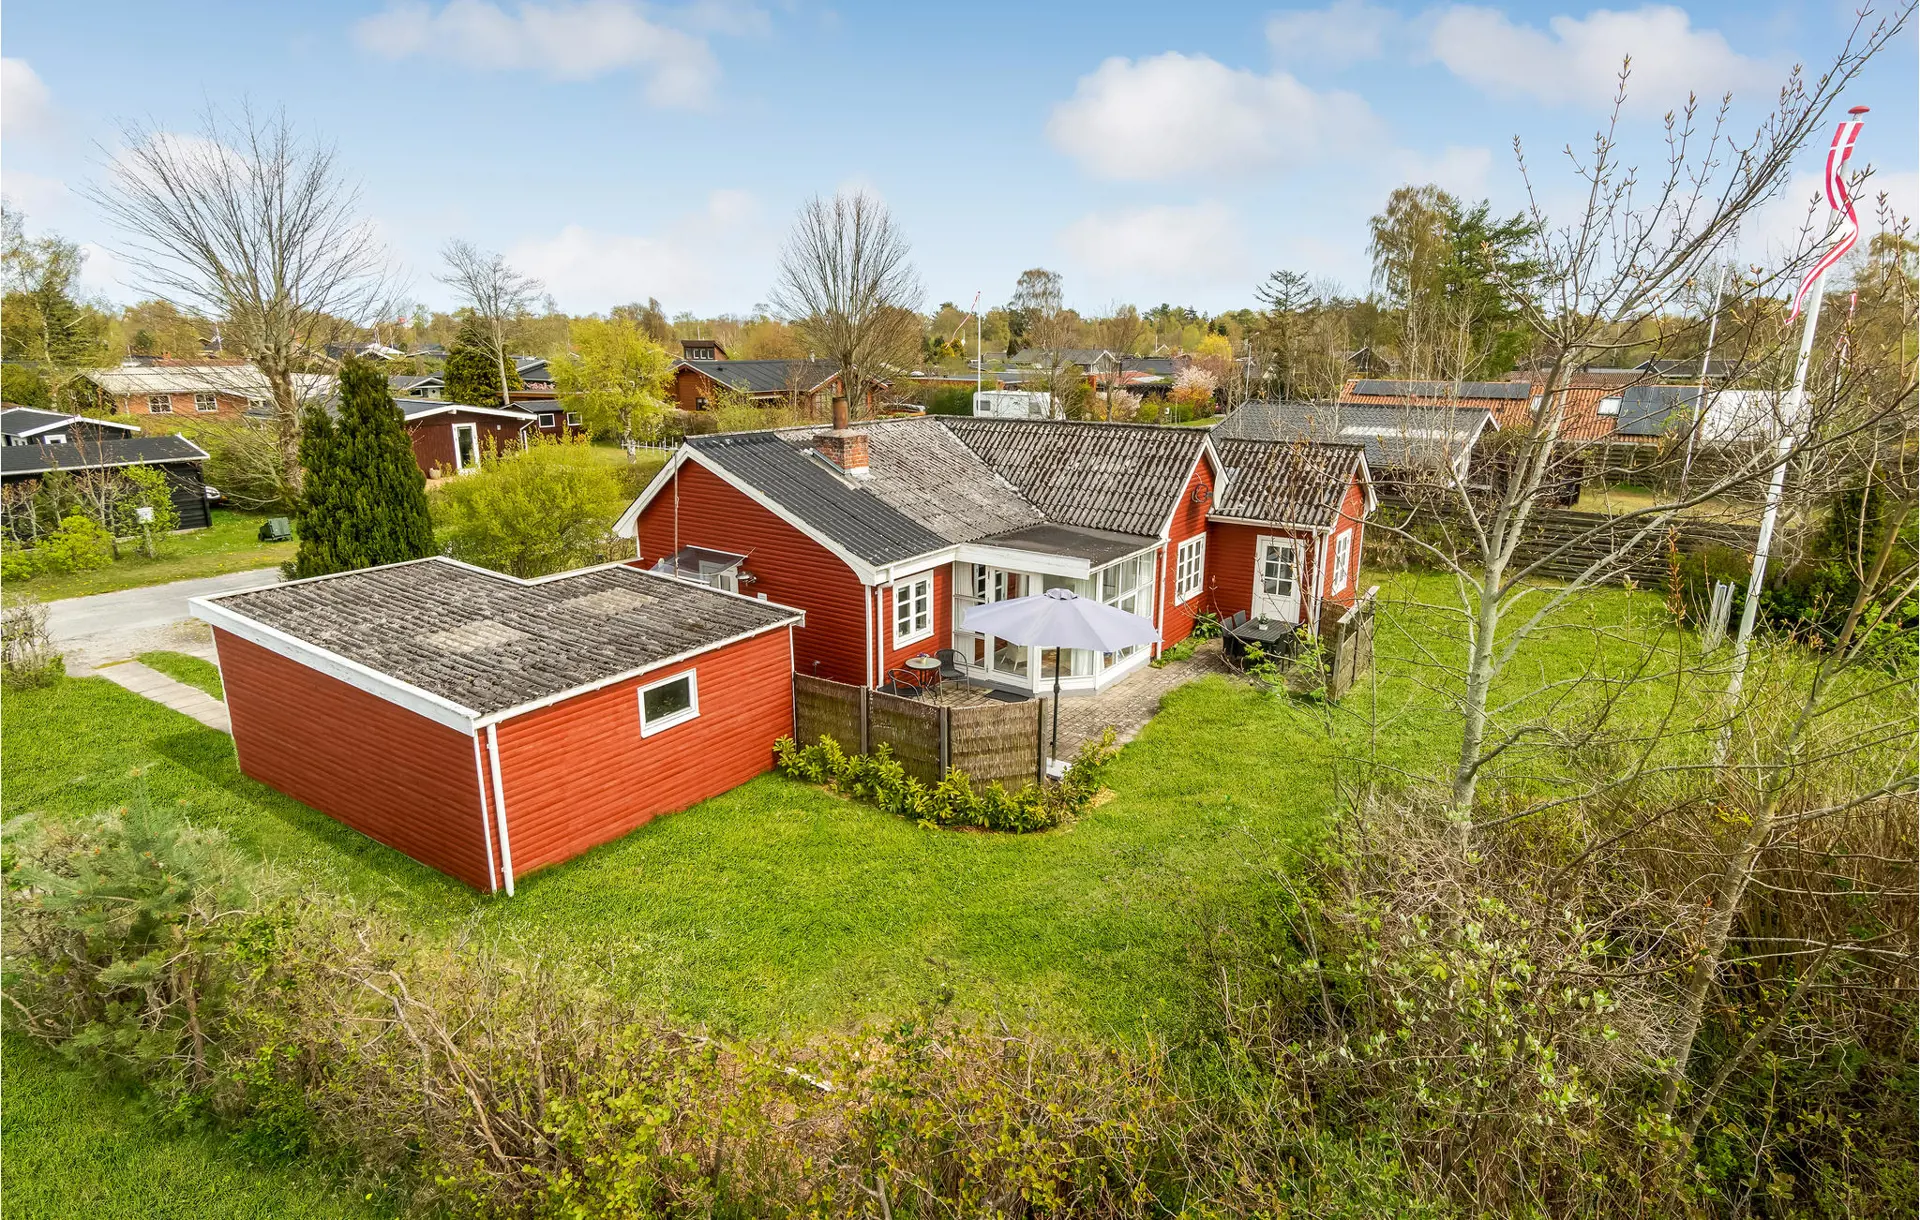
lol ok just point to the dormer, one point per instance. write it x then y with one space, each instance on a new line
702 349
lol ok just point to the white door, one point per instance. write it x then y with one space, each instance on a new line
1276 579
466 447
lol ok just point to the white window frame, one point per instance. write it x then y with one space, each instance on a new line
546 419
573 419
689 712
1342 559
1190 569
913 594
212 403
166 409
1608 406
458 466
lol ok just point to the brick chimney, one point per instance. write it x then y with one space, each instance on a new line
845 446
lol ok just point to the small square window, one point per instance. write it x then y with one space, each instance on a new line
1609 406
160 404
546 419
668 702
205 402
573 419
912 610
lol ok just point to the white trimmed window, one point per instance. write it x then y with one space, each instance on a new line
1609 406
1342 560
546 419
573 419
912 609
668 702
1189 568
159 404
204 403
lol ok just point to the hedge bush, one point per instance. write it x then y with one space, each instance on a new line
879 779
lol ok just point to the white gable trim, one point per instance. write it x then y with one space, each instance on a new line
1219 476
442 408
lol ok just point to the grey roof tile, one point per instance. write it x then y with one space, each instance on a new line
768 376
130 451
459 632
1296 482
1119 477
1395 435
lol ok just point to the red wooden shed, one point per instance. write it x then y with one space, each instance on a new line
488 726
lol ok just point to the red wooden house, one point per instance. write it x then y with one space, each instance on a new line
450 438
885 532
446 710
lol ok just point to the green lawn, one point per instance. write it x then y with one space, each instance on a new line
779 905
77 1147
184 667
230 544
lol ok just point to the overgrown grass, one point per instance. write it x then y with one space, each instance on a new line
230 544
76 1147
185 667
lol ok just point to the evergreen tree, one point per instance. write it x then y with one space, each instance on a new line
473 369
365 500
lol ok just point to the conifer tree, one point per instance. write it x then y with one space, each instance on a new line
365 500
473 369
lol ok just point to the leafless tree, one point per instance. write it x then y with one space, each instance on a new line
1120 330
497 294
255 226
846 283
1049 330
1607 278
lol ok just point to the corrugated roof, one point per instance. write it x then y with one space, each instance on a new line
1119 477
96 455
241 380
1395 435
768 376
460 633
29 421
1286 482
1374 388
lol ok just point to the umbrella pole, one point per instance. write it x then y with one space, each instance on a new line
1053 750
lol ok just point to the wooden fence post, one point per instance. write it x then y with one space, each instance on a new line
1040 742
864 730
946 740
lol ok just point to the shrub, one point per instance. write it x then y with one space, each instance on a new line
545 508
27 655
79 545
145 487
949 400
18 562
880 780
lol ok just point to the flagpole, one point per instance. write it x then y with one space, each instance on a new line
1796 404
1700 407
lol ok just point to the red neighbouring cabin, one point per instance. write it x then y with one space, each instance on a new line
886 532
489 726
450 438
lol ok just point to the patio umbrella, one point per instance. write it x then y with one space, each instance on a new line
1056 619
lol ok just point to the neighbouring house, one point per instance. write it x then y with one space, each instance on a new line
806 385
702 349
176 457
884 532
174 394
1404 442
535 374
489 726
1646 414
31 426
419 385
450 438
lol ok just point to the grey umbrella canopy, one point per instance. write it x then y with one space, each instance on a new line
1056 619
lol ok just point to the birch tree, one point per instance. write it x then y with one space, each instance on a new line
257 227
498 295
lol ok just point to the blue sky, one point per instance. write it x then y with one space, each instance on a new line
621 150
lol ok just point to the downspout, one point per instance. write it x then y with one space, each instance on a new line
500 807
486 826
1319 581
867 597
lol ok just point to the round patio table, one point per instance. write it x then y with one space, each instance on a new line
926 668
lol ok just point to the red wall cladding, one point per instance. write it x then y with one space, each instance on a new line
787 566
578 774
396 777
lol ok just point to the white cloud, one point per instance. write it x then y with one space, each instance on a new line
1160 118
1459 170
713 260
42 199
1172 247
566 40
1345 32
1798 219
26 107
1577 59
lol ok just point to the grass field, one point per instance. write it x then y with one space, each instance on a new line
779 907
78 1147
184 667
231 544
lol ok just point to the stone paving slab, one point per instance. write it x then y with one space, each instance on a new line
154 685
